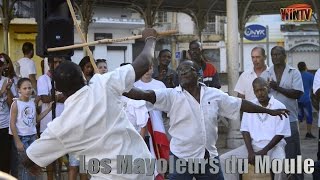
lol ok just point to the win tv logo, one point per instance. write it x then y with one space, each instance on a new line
296 13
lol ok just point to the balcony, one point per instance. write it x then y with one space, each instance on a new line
129 23
214 28
213 32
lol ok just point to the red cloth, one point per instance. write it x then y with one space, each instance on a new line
210 70
160 142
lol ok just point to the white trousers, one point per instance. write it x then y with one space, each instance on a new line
241 152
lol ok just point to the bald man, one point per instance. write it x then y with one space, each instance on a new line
263 134
258 56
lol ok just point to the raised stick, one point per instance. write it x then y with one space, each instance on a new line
73 15
165 33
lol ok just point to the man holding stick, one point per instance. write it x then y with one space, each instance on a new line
93 123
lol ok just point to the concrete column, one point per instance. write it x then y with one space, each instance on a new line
173 51
241 51
174 41
234 136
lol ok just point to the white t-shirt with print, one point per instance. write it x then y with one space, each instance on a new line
26 118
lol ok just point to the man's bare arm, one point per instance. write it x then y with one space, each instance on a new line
290 93
242 96
274 141
33 80
247 141
142 63
138 94
32 167
249 107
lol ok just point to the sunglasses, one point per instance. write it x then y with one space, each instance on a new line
186 70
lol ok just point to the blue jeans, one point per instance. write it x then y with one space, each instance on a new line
305 109
199 176
23 172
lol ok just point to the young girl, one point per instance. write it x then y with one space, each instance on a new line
102 66
23 119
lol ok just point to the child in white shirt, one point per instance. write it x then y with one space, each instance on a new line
23 119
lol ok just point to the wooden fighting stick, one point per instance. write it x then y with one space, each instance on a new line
165 33
73 15
86 44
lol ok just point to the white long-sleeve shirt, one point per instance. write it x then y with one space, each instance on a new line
94 124
193 125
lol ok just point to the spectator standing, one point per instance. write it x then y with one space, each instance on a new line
102 66
304 102
208 72
163 72
86 68
5 102
9 72
287 87
27 67
23 118
244 84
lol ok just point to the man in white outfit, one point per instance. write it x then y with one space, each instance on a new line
244 84
263 134
93 122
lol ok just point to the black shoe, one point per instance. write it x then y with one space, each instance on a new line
309 135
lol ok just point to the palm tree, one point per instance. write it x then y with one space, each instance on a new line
85 11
